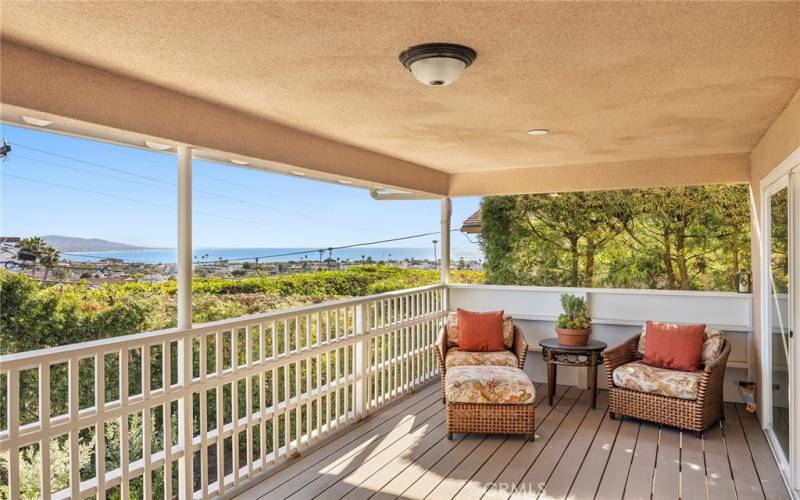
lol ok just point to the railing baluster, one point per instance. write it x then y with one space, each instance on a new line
262 434
220 405
44 420
308 400
235 426
13 398
166 414
319 395
287 435
275 430
275 441
248 415
203 441
147 427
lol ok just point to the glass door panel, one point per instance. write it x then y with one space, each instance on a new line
779 321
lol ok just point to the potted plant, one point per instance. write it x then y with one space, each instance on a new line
573 326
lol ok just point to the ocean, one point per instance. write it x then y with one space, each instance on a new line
168 255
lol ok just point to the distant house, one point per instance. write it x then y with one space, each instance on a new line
472 224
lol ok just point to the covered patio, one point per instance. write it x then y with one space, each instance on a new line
341 399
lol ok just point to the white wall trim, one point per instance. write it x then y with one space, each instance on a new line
579 290
787 165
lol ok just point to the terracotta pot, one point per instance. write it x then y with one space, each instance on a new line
573 337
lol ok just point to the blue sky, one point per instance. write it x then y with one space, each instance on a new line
97 190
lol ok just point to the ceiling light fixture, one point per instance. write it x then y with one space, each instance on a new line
157 145
345 182
239 162
299 173
39 122
538 131
437 64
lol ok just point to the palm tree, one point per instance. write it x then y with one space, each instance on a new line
33 245
48 257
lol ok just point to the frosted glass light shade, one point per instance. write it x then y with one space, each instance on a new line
437 71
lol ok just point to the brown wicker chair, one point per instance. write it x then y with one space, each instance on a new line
694 415
519 348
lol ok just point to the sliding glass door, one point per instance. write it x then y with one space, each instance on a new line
779 309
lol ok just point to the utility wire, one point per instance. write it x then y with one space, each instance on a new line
132 200
225 199
326 249
289 254
160 181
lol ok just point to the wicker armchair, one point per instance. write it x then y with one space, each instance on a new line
519 348
694 415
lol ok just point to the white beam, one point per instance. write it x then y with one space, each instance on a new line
445 265
184 237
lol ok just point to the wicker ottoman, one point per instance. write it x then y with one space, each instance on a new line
489 400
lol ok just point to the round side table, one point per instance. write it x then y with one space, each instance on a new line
588 355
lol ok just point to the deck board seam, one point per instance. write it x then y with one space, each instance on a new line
433 389
566 447
439 460
522 445
416 426
750 452
575 401
630 462
605 465
588 450
434 400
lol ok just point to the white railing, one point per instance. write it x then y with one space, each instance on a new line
285 380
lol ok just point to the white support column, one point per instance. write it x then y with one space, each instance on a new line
445 265
184 237
185 472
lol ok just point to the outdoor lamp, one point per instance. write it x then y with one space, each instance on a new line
743 281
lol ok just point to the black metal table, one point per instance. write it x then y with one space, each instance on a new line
588 355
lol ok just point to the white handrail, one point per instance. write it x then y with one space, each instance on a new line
28 358
265 386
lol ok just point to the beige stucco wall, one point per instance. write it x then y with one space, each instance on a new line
658 172
780 140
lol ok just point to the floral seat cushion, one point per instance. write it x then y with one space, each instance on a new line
457 357
488 385
452 330
643 378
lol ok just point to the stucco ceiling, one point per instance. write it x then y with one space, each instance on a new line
613 81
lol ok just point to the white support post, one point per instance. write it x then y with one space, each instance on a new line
184 237
447 210
185 473
445 265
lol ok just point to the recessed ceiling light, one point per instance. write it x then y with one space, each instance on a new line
345 182
239 162
157 145
299 173
538 131
39 122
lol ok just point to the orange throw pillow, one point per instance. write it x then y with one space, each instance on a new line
480 331
676 347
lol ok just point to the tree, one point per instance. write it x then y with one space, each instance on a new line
33 245
675 238
49 258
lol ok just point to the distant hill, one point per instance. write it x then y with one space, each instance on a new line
71 244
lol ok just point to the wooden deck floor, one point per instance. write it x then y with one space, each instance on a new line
579 453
